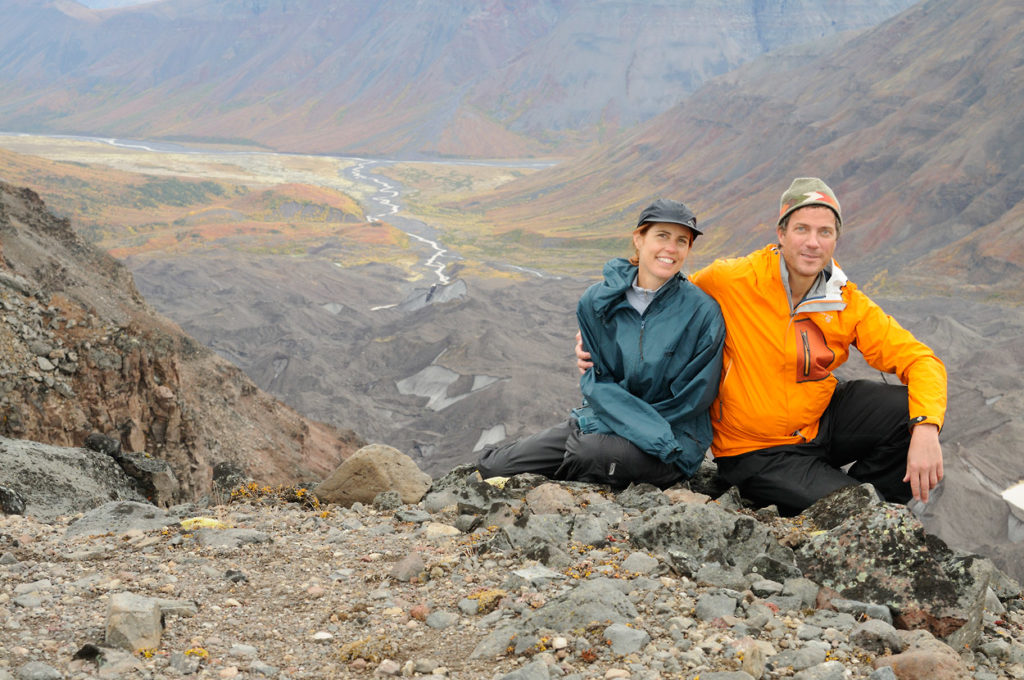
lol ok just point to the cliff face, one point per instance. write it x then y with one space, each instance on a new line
81 352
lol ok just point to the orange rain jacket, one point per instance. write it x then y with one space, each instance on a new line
777 366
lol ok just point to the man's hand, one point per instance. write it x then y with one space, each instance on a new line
583 361
924 460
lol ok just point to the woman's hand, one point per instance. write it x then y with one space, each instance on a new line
583 361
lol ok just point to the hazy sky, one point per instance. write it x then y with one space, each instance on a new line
103 4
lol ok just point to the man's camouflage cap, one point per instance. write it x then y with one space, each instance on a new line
805 191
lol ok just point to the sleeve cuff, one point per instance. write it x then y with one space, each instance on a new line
914 422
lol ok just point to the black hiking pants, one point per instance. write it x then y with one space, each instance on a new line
564 453
866 423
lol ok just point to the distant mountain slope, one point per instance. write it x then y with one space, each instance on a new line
81 352
918 124
460 77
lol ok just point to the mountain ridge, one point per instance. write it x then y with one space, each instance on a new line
462 78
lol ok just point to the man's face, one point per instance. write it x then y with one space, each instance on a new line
809 240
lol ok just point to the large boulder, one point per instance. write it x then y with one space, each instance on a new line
55 481
370 471
881 554
692 534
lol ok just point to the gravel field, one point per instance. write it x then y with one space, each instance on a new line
267 588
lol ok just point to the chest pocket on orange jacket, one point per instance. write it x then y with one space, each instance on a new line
813 354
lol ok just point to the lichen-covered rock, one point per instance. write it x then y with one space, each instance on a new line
838 506
154 477
11 502
882 555
530 529
598 600
470 495
642 497
227 477
693 534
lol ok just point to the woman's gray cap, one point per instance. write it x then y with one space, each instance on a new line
667 210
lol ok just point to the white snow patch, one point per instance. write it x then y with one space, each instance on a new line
433 382
489 437
1015 495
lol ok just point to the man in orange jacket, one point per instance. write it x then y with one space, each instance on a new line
784 426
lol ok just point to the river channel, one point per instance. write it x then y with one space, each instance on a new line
384 194
386 206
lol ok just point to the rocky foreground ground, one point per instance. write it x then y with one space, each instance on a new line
533 580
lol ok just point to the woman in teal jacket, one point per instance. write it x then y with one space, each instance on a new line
656 343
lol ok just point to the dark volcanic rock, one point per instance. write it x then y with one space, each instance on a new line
692 534
478 497
103 444
707 481
11 502
155 478
840 505
642 497
882 555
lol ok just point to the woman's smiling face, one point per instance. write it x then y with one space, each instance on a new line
661 249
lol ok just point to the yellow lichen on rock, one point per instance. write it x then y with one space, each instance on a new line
487 600
373 649
202 523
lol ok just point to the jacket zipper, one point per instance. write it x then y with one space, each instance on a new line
807 353
643 322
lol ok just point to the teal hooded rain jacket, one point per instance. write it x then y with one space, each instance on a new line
656 374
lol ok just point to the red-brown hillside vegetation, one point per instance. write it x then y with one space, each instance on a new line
130 213
917 124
